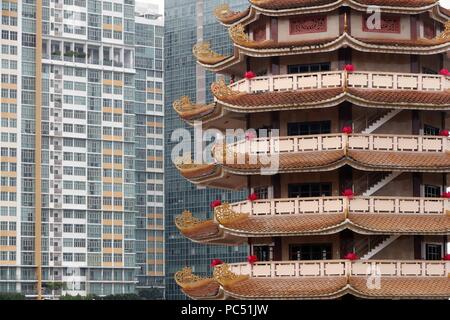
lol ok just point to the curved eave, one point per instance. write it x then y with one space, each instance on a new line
334 287
324 224
236 232
402 288
288 288
246 16
363 160
323 98
252 13
420 47
212 175
205 289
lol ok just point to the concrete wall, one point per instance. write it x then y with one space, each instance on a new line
356 22
400 249
382 62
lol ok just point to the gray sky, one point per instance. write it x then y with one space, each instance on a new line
444 3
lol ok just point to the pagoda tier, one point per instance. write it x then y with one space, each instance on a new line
320 153
305 91
330 279
228 17
287 217
339 133
423 30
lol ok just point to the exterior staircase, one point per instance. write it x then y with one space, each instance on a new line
371 182
373 120
380 246
378 123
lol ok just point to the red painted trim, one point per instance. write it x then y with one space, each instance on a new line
414 30
308 24
395 28
274 29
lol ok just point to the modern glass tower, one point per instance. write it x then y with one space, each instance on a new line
186 23
80 124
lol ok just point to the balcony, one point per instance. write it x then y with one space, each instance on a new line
339 79
327 89
324 279
238 222
374 152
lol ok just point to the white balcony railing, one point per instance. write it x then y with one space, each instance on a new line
339 268
337 79
330 205
329 142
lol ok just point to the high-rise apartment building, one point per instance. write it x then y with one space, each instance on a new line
187 22
81 147
346 159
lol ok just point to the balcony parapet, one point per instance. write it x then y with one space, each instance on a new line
237 222
330 279
337 79
372 152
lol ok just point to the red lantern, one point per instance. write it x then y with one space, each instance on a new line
347 130
447 257
216 262
250 135
216 203
444 72
249 75
348 193
252 259
252 197
351 256
349 67
446 195
444 133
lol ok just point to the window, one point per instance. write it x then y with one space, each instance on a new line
309 190
307 128
262 192
433 251
432 191
430 130
263 253
312 67
310 251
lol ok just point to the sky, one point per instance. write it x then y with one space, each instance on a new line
444 3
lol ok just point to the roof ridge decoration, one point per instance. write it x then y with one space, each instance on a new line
238 35
186 220
221 90
225 215
223 11
187 280
445 35
187 110
223 275
203 52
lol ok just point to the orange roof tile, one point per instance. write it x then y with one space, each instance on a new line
292 4
397 287
205 230
400 160
402 223
316 97
287 288
271 225
208 290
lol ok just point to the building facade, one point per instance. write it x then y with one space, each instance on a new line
345 156
187 22
74 143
